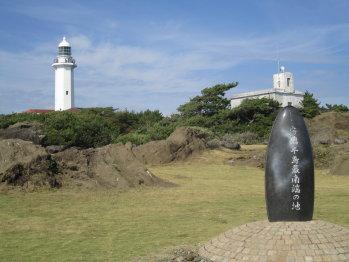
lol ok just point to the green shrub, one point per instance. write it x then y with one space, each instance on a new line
254 114
133 137
93 127
82 129
162 129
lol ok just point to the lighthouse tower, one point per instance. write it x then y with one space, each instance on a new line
64 66
283 81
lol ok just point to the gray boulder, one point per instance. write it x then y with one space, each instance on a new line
339 141
231 145
54 149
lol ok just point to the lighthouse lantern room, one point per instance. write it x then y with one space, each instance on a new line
64 66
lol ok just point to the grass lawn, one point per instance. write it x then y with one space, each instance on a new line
212 197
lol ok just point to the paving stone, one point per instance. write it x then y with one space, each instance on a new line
280 241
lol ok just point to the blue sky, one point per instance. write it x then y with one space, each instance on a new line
158 54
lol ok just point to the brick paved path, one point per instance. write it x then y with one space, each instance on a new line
280 241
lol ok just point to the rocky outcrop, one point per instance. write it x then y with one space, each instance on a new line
26 165
182 143
111 166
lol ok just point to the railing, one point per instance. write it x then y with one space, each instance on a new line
66 60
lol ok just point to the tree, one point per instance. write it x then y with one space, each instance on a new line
310 106
210 102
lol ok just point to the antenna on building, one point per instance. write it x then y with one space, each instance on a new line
278 59
278 64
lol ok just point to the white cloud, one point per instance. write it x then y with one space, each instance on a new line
107 70
59 12
80 42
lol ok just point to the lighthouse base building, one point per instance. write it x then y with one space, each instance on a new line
283 91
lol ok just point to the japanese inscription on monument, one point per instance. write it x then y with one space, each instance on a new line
295 169
289 170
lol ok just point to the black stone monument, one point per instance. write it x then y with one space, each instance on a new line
289 171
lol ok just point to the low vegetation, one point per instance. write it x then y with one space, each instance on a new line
335 108
95 127
248 123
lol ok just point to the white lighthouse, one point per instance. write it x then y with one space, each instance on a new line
64 66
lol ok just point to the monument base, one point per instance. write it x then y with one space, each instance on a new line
314 240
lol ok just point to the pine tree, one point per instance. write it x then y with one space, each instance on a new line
310 106
209 103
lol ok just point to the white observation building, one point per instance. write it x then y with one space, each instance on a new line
64 66
283 91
